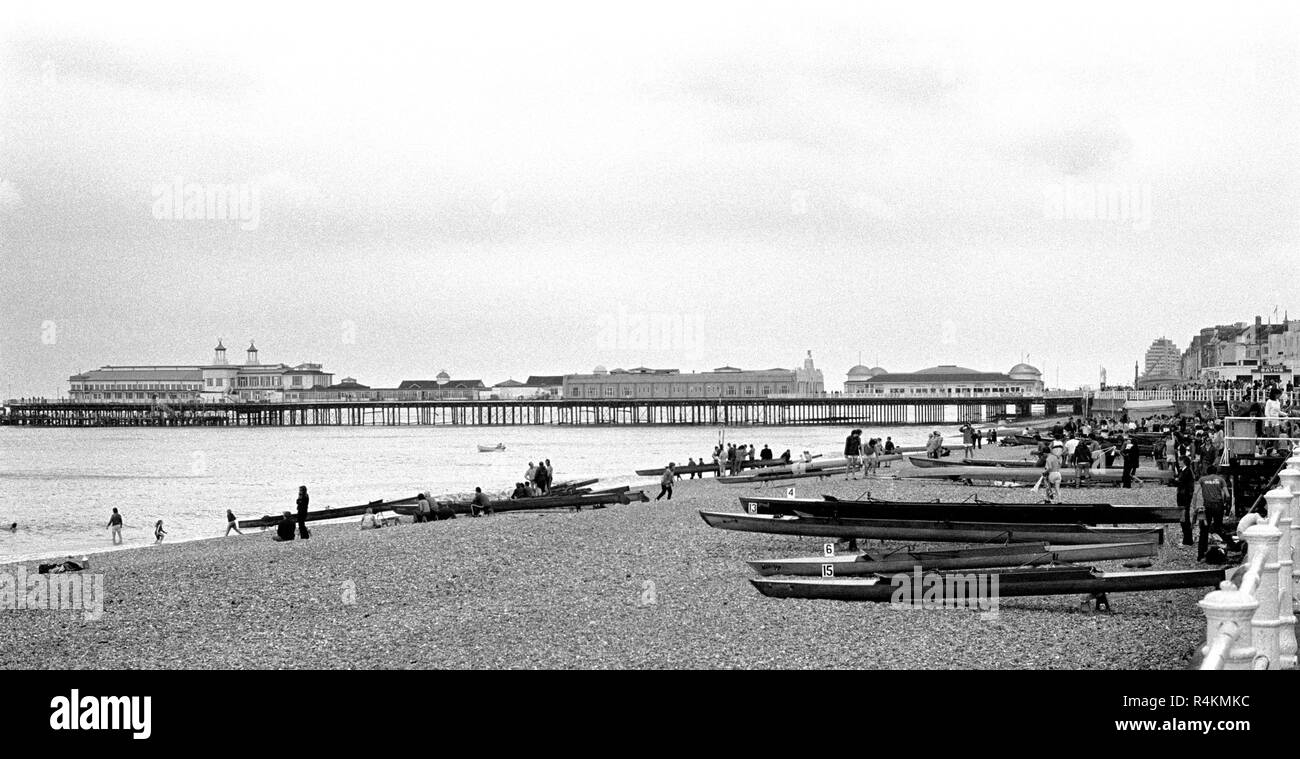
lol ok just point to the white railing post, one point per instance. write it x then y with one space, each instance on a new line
1264 623
1228 609
1284 500
1290 477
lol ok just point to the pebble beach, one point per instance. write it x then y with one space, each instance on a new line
645 585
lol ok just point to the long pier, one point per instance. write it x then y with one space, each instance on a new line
576 412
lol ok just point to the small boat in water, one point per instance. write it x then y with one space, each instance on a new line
491 448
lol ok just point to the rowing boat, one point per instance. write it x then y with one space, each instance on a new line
1069 475
339 513
593 500
1014 555
961 587
712 467
490 448
800 469
964 511
928 531
929 463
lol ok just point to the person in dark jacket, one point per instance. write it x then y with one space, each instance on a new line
1129 452
284 530
1186 483
303 500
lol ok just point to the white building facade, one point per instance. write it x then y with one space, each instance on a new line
219 381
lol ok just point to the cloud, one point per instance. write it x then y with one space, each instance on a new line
1078 148
53 59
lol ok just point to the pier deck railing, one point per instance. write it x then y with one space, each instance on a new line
1252 625
1191 395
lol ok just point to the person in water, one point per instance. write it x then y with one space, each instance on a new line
13 527
158 532
231 523
115 527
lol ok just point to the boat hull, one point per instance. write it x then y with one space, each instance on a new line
1015 555
1034 582
936 532
1040 513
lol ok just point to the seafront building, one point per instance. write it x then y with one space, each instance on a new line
216 381
722 382
1243 353
943 381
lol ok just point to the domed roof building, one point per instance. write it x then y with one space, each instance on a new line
947 380
1024 372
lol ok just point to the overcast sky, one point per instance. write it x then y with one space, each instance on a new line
508 190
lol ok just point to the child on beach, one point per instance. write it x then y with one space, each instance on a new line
115 527
231 523
158 532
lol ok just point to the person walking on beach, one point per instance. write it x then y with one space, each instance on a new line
303 500
231 523
115 527
481 504
666 482
158 532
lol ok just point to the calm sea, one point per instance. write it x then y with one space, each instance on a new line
60 485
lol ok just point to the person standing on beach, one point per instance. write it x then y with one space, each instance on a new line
666 482
852 453
423 509
231 523
1131 457
115 527
303 500
1186 483
1052 472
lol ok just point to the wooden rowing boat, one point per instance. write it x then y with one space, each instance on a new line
590 500
1014 555
1069 475
957 587
964 511
929 463
712 467
799 470
315 516
927 531
491 448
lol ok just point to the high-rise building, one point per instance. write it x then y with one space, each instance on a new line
1163 359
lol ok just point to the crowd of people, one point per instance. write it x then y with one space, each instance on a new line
1193 448
864 457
